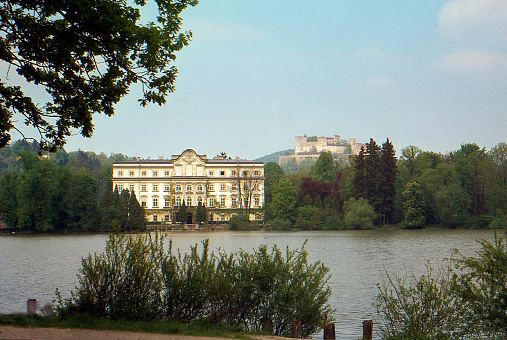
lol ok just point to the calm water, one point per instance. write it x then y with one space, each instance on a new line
34 266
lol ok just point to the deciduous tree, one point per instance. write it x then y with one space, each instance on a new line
85 55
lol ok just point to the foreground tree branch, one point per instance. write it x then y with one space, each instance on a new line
85 54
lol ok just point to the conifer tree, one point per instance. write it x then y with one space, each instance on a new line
200 214
136 214
181 215
372 175
359 189
123 210
388 172
107 208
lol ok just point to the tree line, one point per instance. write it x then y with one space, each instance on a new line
63 191
463 188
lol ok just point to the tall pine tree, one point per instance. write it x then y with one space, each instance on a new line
388 172
372 175
359 189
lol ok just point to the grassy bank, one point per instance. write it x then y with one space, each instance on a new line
84 321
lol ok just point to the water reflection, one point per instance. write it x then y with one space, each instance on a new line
34 266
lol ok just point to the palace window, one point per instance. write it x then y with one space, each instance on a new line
210 187
155 187
143 173
189 187
199 199
210 173
131 187
199 187
256 173
178 201
234 186
143 204
222 173
167 202
211 202
120 173
222 202
256 201
131 173
143 187
155 202
222 187
167 187
178 188
166 173
189 201
233 172
155 173
234 203
119 187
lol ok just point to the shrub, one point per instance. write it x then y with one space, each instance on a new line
239 222
359 214
134 280
483 287
421 308
466 300
124 281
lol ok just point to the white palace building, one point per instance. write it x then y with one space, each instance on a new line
225 186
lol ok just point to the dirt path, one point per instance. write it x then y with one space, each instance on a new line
9 333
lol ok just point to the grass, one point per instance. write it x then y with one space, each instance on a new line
86 321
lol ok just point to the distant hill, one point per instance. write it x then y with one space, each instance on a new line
274 156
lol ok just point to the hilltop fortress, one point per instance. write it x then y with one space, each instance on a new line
311 148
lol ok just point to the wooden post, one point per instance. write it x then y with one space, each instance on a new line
267 325
329 329
367 329
296 329
31 306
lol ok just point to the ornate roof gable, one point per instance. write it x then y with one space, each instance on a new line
189 163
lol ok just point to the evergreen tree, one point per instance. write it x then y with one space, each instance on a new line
123 210
107 208
200 214
388 171
359 189
372 175
181 215
136 213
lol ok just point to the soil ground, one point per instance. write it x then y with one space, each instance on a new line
11 333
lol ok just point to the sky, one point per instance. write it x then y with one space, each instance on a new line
258 73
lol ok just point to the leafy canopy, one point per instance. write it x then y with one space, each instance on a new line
85 54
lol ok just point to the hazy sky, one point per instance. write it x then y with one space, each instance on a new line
257 73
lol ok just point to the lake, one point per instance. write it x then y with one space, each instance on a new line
33 266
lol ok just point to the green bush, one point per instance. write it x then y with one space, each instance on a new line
467 300
136 280
359 214
123 282
239 222
421 308
482 285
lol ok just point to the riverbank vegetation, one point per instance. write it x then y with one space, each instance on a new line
466 188
465 298
136 279
63 192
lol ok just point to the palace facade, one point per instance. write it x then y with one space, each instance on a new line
225 186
